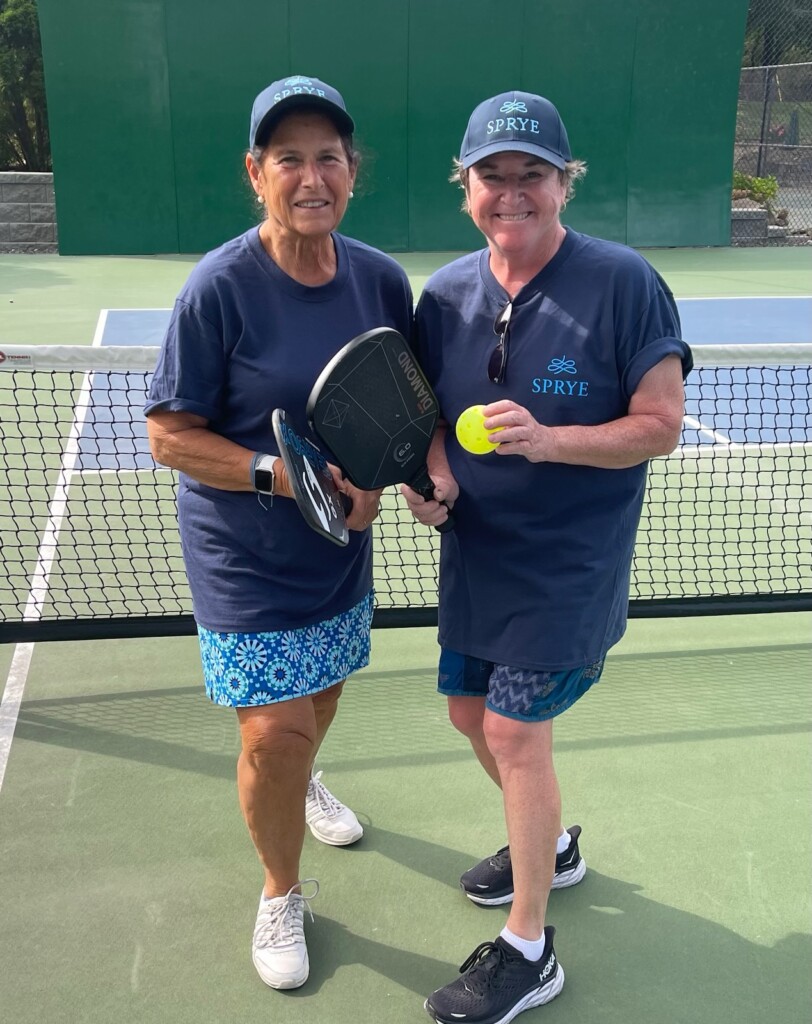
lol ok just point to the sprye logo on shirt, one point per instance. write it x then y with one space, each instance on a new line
559 386
562 365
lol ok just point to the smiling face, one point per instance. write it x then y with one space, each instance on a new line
515 200
305 176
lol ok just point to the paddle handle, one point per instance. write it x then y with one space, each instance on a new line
424 486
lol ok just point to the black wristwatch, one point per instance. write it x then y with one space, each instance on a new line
262 473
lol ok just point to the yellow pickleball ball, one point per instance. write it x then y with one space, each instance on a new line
471 432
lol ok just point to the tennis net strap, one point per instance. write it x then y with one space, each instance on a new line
89 532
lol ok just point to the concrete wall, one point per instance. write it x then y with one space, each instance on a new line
27 212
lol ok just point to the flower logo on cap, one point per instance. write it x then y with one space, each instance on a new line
512 106
298 80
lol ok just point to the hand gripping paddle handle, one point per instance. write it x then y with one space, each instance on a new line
424 486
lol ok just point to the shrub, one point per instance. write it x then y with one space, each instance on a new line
760 190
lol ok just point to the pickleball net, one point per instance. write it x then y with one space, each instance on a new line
88 526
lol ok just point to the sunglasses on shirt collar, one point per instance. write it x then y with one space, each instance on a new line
497 364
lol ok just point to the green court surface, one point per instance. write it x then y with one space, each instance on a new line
55 300
130 883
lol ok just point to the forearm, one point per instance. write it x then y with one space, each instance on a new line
207 457
618 444
650 428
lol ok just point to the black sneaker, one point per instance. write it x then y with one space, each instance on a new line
497 983
490 882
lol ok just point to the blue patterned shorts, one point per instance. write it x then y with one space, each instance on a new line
521 693
246 669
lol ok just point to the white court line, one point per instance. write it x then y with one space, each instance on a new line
101 323
699 426
21 659
57 509
740 298
121 472
12 698
734 447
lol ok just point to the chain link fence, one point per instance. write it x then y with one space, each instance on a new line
772 180
773 154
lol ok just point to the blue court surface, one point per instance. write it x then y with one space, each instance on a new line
732 321
746 321
755 408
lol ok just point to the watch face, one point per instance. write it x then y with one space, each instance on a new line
264 475
263 481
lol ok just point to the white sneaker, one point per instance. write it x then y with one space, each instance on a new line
329 820
278 950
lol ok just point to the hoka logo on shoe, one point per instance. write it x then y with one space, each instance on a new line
548 968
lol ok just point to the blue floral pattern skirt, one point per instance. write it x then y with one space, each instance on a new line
246 669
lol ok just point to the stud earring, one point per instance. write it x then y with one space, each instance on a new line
260 199
351 194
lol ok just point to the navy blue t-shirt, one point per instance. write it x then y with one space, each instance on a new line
536 573
244 339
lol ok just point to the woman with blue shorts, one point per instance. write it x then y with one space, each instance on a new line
572 345
283 615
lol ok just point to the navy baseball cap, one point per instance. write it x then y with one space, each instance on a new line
516 122
287 94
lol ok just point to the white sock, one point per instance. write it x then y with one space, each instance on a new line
529 949
563 842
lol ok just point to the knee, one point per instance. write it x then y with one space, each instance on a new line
510 740
465 714
269 745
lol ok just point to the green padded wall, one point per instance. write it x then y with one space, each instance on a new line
148 103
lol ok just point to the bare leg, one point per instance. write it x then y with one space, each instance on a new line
467 715
325 705
522 752
278 747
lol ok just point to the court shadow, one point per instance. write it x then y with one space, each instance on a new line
332 945
627 956
638 959
441 863
172 728
20 273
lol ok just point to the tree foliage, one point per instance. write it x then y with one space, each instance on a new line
778 32
24 141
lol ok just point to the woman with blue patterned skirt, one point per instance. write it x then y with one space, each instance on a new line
283 615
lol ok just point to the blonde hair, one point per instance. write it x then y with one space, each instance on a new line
574 170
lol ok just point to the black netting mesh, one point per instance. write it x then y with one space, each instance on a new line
89 534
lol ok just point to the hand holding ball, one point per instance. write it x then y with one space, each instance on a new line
471 432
